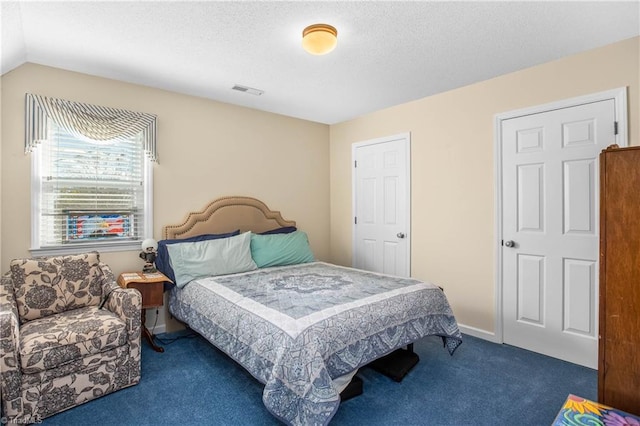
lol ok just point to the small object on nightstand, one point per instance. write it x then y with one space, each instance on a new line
149 254
151 287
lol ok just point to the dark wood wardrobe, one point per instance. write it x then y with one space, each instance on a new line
619 342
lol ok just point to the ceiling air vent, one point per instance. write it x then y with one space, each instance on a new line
246 89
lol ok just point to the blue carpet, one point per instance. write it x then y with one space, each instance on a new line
481 384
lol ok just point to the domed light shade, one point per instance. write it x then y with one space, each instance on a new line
149 243
319 39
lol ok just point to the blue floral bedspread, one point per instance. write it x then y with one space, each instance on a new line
296 328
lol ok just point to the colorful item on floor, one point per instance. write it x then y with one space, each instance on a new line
578 411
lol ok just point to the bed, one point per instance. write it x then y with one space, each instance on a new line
300 326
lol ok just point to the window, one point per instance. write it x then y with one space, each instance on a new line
91 188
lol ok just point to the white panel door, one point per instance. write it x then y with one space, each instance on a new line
381 205
550 229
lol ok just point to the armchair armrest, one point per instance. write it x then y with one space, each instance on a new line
124 302
10 376
127 304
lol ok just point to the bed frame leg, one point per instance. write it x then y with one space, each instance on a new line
353 389
397 364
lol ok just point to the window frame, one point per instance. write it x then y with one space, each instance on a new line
98 245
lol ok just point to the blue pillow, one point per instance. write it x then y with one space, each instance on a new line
280 249
211 258
283 230
162 261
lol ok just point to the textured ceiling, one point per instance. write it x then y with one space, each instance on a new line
388 52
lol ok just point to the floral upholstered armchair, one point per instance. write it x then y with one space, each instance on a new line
68 334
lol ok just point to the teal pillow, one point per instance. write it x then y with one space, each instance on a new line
281 249
210 258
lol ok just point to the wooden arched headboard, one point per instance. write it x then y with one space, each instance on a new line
227 214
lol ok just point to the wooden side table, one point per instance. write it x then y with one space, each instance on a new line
151 287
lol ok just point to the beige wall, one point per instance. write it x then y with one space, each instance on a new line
452 150
1 270
207 150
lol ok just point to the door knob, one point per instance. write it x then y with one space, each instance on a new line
510 243
400 235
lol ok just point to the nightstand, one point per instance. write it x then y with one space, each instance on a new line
151 287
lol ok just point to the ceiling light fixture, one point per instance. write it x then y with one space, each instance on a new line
319 39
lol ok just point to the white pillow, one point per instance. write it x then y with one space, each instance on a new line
210 258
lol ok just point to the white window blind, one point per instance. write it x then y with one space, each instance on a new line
89 194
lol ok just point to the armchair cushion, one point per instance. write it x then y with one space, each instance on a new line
54 341
47 286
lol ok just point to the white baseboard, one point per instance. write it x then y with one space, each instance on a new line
479 333
156 320
161 328
158 329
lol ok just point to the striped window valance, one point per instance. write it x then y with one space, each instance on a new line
85 120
